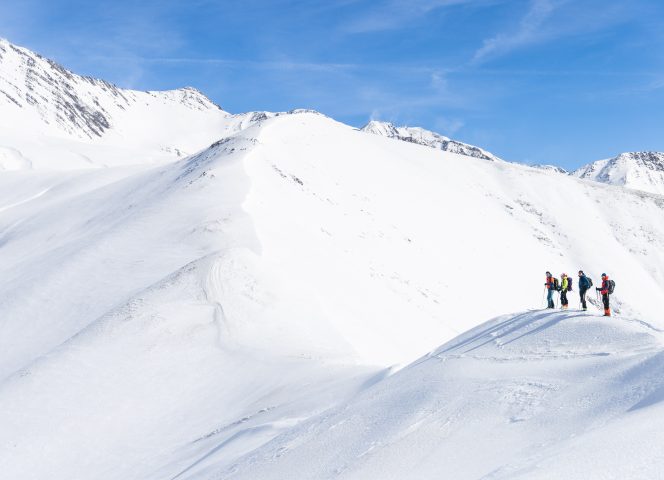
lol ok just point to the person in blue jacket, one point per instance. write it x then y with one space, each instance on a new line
584 285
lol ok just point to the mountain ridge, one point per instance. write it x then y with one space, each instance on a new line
427 138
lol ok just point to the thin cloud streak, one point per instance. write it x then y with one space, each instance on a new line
397 14
529 32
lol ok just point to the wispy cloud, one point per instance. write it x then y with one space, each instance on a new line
528 32
395 14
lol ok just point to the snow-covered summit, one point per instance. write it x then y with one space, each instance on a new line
637 170
80 106
427 138
51 117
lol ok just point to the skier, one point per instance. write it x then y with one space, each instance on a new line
604 290
584 284
551 286
564 284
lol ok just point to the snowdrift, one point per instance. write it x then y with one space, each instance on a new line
531 395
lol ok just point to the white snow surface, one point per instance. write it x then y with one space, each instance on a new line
175 319
535 395
240 312
638 170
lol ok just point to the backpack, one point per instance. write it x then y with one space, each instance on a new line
590 282
556 285
569 284
612 286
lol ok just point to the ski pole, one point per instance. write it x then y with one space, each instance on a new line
543 295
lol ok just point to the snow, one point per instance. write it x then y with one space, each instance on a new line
260 309
532 395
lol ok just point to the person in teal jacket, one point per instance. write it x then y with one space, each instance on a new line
584 285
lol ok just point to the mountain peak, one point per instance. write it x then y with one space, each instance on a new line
45 95
427 138
637 170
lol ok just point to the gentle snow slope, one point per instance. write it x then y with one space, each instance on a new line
534 395
159 320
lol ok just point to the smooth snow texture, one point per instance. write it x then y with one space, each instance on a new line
534 395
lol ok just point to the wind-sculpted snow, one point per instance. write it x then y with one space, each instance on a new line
532 395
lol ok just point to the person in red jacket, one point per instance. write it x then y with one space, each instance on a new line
604 290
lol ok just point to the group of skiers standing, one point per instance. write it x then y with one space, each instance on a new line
565 285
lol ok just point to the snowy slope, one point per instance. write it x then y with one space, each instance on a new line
173 319
427 138
637 170
533 395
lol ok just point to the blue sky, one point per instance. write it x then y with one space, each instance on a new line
539 81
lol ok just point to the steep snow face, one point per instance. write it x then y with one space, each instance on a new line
637 170
53 118
527 396
197 310
427 138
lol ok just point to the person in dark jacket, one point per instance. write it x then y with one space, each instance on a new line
584 285
550 286
604 290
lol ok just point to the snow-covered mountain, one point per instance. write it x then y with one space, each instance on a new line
172 320
637 170
207 317
53 118
427 138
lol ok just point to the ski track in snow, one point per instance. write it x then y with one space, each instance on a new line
16 204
